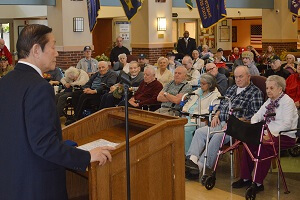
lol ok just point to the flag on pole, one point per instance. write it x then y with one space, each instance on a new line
189 4
131 7
211 11
93 7
295 4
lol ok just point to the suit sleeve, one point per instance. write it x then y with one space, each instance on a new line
44 131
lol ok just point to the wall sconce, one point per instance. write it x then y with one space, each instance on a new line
78 24
161 24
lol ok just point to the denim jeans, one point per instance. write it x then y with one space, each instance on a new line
197 147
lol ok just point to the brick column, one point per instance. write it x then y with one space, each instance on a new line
152 53
67 59
280 46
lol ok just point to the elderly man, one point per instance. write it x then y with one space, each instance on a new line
247 58
243 95
5 52
88 64
276 68
235 55
98 85
193 75
148 90
171 94
186 45
117 50
222 83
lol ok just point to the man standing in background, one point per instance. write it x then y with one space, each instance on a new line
117 50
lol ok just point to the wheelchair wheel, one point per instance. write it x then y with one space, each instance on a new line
203 179
210 182
295 151
250 193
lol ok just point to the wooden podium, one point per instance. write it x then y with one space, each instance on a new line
156 156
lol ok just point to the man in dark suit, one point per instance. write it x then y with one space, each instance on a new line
32 155
186 45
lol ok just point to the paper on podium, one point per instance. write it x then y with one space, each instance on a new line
97 143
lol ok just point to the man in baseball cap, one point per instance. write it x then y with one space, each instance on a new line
276 68
88 64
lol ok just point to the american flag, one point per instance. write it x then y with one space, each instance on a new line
256 34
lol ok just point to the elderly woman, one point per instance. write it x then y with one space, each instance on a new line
205 54
290 64
4 66
114 97
73 77
270 52
286 118
198 63
162 74
207 92
293 87
122 64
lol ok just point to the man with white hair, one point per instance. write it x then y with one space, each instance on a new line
193 75
243 95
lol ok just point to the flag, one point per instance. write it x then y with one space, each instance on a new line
131 7
189 4
211 11
295 4
256 39
93 7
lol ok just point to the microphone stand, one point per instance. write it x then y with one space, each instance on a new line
126 87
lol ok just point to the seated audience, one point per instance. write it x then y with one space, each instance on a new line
222 83
256 55
172 62
116 92
148 90
286 118
207 93
5 67
73 77
117 50
97 85
162 74
54 76
290 64
123 64
243 95
88 64
193 75
276 68
220 54
247 57
171 94
235 55
293 87
198 63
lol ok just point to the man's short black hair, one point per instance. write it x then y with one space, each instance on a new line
31 35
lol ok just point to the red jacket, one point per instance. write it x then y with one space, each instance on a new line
7 54
293 87
147 93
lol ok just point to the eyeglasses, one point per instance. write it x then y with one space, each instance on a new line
208 70
201 83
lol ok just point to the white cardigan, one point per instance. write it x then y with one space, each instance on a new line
204 102
286 117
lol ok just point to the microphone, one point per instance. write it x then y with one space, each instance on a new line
125 78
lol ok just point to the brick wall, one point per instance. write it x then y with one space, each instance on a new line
152 53
67 59
279 46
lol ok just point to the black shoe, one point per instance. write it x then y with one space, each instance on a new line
191 167
241 183
70 121
259 188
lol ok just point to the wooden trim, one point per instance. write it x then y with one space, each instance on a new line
279 40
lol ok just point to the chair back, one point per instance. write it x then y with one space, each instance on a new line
260 82
131 58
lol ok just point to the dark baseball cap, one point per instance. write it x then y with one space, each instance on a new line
220 49
142 56
274 58
170 54
86 48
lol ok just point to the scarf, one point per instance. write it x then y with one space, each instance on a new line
271 108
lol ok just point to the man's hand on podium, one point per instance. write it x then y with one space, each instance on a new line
101 154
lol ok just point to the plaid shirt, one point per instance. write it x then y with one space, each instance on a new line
250 100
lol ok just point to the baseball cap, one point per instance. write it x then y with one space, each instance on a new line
86 48
220 49
274 58
247 54
170 54
142 56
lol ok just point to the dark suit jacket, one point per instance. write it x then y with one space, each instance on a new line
32 156
186 50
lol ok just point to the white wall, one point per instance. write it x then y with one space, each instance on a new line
23 11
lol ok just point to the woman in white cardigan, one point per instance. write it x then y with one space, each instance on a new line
207 92
286 118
